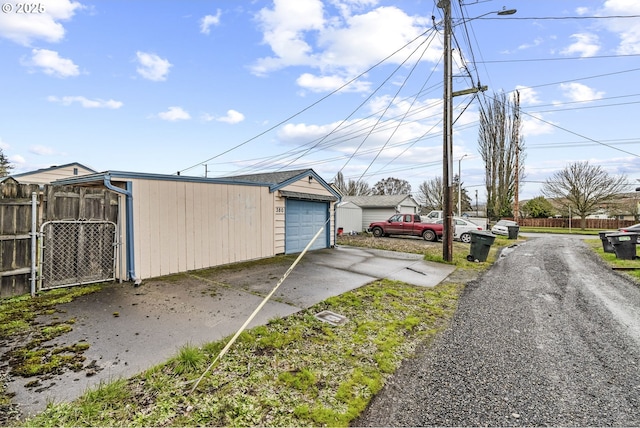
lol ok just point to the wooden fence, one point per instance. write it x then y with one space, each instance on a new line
54 203
591 223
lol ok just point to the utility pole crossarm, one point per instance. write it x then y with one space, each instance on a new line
469 91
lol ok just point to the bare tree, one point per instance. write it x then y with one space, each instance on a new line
582 188
501 148
352 187
430 194
392 186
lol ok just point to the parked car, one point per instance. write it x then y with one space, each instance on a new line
462 228
502 227
635 228
406 224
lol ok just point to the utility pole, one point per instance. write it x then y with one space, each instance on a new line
516 201
447 130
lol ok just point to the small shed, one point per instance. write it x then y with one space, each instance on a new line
381 207
56 172
173 223
349 217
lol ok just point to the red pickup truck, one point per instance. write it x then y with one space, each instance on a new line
406 224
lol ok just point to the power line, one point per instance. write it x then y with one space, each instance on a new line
573 58
559 18
277 125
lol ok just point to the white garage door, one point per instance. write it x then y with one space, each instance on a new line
303 219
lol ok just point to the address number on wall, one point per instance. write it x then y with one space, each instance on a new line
279 210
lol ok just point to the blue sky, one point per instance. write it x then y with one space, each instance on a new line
253 86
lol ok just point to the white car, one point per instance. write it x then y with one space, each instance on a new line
502 227
462 229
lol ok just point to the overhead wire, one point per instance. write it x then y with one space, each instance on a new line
368 98
335 138
299 112
415 99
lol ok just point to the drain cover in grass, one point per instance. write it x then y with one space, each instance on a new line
331 317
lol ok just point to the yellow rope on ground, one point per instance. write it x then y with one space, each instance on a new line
255 312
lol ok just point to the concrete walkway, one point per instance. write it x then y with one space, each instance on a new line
131 329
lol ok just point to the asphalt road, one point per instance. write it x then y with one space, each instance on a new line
548 336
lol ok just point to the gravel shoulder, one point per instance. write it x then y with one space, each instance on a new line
548 336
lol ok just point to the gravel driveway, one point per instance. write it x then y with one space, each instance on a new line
548 336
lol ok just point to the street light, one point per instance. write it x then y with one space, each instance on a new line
447 121
460 185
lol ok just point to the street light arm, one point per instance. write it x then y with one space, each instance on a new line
503 12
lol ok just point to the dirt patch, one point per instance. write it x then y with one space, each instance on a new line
403 244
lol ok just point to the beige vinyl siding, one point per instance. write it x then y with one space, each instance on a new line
50 175
279 225
181 225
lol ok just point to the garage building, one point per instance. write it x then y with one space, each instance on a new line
171 223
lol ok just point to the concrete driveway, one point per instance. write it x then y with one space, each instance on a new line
131 329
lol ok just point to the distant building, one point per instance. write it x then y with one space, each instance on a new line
381 207
56 172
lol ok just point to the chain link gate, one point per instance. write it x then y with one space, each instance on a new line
76 252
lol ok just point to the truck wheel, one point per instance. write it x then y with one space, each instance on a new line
466 238
377 232
429 235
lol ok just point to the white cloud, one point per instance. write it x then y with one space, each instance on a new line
51 63
533 124
41 150
579 92
208 21
24 28
528 96
174 114
3 145
152 67
627 29
362 40
17 160
536 42
86 102
585 45
299 35
329 83
232 117
582 10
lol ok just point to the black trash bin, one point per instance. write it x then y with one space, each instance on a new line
606 244
481 242
513 231
624 244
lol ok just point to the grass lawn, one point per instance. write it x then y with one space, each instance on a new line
573 230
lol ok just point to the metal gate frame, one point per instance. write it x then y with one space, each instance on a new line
78 277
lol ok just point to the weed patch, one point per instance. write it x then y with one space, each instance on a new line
29 353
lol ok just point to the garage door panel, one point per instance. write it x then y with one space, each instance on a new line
303 219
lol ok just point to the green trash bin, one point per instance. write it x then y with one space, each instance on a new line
513 231
624 244
481 242
606 244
